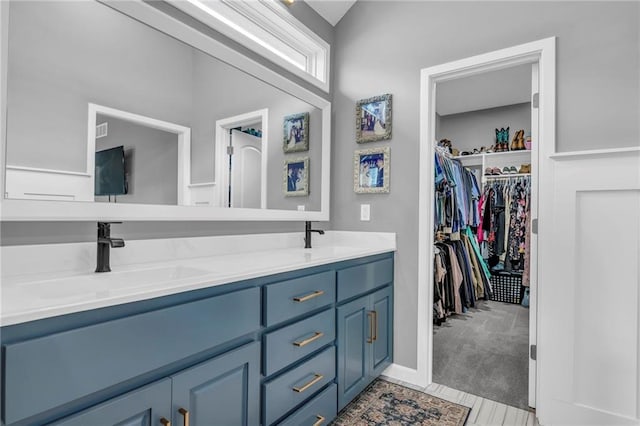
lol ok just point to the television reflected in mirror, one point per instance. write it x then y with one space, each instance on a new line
110 177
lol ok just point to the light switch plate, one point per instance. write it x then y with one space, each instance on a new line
365 212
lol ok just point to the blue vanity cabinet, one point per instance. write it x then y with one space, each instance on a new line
223 391
299 359
290 348
60 366
150 405
364 327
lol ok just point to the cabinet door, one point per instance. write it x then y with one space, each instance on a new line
354 332
222 391
142 407
382 346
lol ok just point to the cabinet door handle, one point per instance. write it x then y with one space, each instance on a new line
165 422
316 336
375 325
321 420
308 296
315 380
370 338
185 415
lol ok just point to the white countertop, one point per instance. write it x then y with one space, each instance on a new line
69 284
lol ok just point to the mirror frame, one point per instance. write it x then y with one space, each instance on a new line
40 210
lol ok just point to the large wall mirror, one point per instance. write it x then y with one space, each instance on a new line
116 110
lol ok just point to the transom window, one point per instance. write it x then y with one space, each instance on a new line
267 28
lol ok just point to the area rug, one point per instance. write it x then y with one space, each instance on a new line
385 403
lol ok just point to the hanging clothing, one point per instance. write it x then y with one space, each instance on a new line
457 194
505 212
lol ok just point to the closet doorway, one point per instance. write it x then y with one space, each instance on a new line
471 75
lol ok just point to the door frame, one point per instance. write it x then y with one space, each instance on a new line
222 141
541 52
184 143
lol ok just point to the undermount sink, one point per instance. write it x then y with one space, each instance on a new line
104 282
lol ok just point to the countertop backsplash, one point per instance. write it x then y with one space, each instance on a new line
80 258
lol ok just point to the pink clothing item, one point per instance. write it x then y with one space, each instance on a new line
480 231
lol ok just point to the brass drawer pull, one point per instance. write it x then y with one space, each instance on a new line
316 336
370 338
315 380
165 422
308 296
320 420
375 325
185 414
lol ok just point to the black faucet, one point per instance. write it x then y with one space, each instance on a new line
307 234
104 242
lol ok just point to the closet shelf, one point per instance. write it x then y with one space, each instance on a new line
505 176
494 154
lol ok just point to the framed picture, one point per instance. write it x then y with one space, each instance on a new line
295 181
371 171
296 133
373 119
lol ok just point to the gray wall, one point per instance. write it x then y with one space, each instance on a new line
381 46
46 232
474 129
151 161
55 70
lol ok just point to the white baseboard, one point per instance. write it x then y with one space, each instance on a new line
405 374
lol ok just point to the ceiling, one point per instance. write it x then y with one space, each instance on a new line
331 10
482 91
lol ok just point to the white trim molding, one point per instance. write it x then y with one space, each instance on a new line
222 142
184 143
267 28
541 52
30 183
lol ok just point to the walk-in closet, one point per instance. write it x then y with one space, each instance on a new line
484 196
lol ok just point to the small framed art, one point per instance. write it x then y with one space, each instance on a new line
373 119
371 171
296 133
295 181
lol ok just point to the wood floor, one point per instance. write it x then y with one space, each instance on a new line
483 411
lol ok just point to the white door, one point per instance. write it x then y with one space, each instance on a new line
533 246
246 170
588 297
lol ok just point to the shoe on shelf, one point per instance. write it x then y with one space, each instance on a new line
496 171
506 170
518 141
488 171
513 170
455 152
525 168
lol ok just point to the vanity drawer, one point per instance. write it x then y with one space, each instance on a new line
289 344
46 372
289 299
363 278
298 385
320 411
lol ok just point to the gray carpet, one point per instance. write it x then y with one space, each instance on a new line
485 352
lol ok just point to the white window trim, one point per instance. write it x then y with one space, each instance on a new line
267 28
